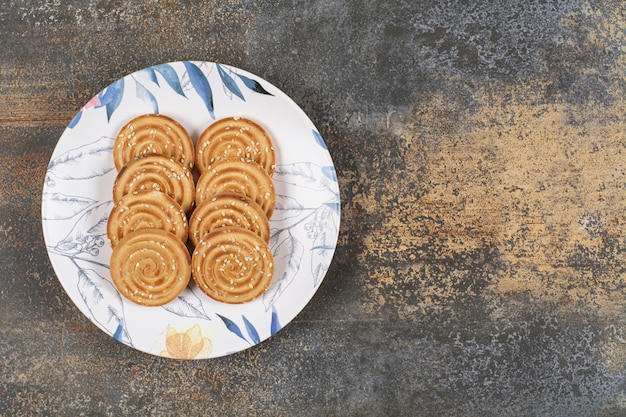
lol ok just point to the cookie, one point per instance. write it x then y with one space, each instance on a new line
153 134
150 267
228 210
232 265
156 173
237 176
146 210
235 138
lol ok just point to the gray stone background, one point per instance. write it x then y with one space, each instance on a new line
480 149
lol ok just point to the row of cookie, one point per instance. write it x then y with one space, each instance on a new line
235 198
227 138
229 229
147 227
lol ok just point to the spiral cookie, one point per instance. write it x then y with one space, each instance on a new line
153 134
228 210
237 176
233 265
235 138
146 210
157 173
150 266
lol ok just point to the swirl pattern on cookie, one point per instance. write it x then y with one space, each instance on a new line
235 138
150 267
153 134
233 265
146 210
156 173
228 210
237 176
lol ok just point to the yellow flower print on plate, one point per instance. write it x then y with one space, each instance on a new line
190 344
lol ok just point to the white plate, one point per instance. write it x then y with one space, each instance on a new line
77 199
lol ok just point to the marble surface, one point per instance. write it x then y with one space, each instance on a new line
480 150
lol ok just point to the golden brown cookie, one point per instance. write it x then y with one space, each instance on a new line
153 134
150 266
232 264
156 173
237 176
146 210
228 210
235 138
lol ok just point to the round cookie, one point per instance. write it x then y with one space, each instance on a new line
150 267
235 138
232 265
237 176
228 210
146 210
153 134
156 173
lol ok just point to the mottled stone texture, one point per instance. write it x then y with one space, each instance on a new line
480 149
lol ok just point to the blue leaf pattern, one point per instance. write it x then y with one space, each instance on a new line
112 97
287 208
305 175
151 75
275 325
321 224
231 326
169 75
318 139
75 120
119 332
107 312
200 83
253 85
335 207
285 248
187 305
324 232
87 235
329 172
92 158
254 335
145 95
229 83
62 206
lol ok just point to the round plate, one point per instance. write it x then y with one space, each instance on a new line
77 198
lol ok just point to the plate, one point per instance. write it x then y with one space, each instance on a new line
76 202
